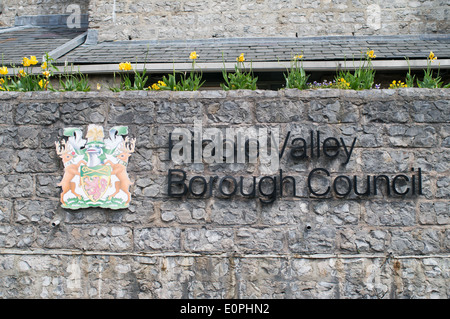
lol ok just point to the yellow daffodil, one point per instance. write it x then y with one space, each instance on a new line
3 70
44 65
432 57
22 73
2 81
397 84
43 84
155 86
46 74
193 55
33 60
371 54
161 83
125 66
241 58
298 57
26 61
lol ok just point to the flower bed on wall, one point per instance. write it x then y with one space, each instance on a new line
24 77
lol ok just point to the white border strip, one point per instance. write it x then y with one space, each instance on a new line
309 66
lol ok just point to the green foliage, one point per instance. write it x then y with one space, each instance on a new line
430 81
192 82
296 77
169 83
409 79
362 78
25 81
131 82
73 81
240 79
187 82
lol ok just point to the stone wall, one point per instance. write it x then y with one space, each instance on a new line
9 9
186 19
376 246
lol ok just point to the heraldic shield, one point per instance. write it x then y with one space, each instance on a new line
95 180
95 170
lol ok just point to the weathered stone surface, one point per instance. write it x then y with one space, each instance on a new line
284 111
100 238
178 112
385 112
234 112
76 113
220 246
209 240
16 186
139 112
390 214
332 112
226 212
158 239
37 113
218 19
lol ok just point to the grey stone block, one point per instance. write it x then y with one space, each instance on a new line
157 239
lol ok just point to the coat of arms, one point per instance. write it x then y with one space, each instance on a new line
95 170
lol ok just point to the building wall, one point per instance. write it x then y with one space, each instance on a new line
126 19
375 246
12 8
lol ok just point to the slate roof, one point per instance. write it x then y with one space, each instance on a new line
263 49
15 43
21 41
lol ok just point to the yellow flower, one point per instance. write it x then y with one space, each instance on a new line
33 60
298 57
241 58
44 65
22 73
193 55
2 81
371 54
26 61
99 86
125 66
46 74
43 84
161 83
155 86
3 70
432 57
